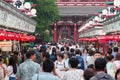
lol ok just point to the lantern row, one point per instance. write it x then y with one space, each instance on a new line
26 7
4 35
102 38
104 15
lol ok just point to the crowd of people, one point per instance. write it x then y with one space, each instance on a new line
61 61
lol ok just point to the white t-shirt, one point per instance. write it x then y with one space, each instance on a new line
117 63
90 60
76 74
110 69
66 62
10 69
59 65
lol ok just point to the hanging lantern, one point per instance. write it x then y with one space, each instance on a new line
93 39
33 11
27 5
3 35
32 38
18 36
117 3
9 36
104 12
23 37
96 18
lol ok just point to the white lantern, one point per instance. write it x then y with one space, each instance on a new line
87 25
96 18
90 22
104 12
117 3
33 11
27 5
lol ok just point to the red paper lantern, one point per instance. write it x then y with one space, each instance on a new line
10 36
16 36
32 38
106 38
23 37
116 37
93 39
2 35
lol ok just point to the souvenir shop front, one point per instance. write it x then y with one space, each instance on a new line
14 27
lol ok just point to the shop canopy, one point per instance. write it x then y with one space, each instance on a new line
7 35
102 39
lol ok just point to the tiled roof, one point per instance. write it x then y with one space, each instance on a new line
79 10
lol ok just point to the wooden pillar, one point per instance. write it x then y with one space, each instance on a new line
75 32
55 33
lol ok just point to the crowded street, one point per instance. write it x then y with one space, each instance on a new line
59 39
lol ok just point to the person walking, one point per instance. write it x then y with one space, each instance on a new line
100 65
73 73
47 68
28 68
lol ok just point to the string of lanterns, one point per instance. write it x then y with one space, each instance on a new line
26 7
106 13
29 10
4 35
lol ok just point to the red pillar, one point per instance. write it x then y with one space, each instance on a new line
55 33
75 32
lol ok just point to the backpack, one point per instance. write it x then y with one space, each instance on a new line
103 77
81 64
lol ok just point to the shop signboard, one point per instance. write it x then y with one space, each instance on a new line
11 18
6 45
115 26
3 15
11 21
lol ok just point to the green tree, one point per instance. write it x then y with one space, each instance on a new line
46 37
47 13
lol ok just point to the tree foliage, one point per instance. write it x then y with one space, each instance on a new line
47 12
